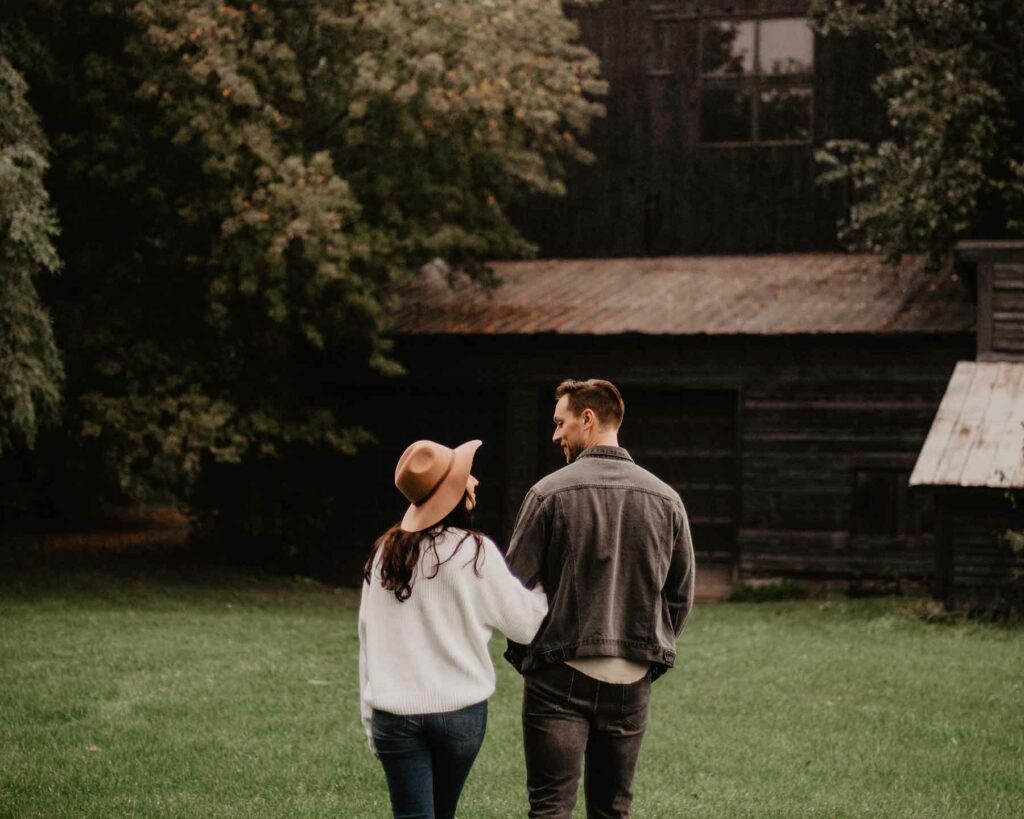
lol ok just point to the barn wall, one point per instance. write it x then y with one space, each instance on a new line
655 188
829 428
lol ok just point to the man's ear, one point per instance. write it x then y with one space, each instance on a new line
588 417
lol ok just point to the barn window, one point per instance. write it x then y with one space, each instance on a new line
755 80
883 505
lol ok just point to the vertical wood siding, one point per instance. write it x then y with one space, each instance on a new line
654 190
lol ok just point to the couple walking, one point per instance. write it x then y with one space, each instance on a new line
595 588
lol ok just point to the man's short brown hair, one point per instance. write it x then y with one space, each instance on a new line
602 397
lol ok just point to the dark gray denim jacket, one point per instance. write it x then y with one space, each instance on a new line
611 544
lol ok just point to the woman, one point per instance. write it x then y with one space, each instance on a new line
434 590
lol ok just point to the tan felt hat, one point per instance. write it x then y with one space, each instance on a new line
433 478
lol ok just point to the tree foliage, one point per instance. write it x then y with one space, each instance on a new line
241 186
30 368
953 164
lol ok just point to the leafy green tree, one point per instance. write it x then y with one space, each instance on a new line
30 368
953 164
242 185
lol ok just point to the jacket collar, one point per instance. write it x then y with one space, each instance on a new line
605 452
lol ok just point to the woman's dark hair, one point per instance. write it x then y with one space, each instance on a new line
400 551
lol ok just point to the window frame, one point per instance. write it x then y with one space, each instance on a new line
911 514
754 83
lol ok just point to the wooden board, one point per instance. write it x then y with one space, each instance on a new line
977 437
967 427
995 431
944 425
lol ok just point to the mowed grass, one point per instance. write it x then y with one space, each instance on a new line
170 698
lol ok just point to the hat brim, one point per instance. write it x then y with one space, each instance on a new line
447 496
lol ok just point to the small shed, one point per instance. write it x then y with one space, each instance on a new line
972 462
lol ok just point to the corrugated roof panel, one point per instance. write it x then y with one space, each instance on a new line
690 295
980 466
977 437
967 428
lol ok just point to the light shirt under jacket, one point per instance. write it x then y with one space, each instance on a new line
428 653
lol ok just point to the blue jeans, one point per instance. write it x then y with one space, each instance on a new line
427 757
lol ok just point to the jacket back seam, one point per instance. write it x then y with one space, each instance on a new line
575 486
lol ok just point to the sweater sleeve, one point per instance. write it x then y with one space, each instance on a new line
506 604
365 710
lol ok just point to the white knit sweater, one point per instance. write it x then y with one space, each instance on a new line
428 654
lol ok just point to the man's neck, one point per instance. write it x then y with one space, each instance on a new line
603 439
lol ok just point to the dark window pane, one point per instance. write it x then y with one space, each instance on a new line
725 115
727 47
787 46
873 505
882 507
785 114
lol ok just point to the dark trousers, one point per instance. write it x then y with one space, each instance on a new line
427 757
568 716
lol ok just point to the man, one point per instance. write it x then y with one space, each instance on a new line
611 544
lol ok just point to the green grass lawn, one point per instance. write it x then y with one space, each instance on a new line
122 697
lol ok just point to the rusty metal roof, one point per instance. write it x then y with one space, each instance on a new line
977 437
689 295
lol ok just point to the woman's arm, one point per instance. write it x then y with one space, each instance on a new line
508 606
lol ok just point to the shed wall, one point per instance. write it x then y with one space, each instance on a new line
977 564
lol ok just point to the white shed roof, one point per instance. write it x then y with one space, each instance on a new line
977 437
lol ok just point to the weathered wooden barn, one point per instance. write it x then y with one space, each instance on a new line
784 387
972 463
